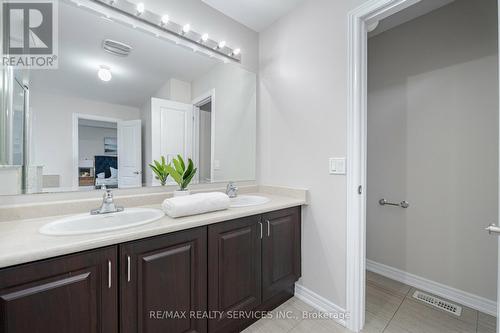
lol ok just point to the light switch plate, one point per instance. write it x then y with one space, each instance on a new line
337 166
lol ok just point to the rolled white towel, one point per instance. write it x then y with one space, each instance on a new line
196 204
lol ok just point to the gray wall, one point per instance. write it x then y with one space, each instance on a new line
301 123
91 141
52 130
234 117
433 140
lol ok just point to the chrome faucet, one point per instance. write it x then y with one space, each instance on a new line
231 190
108 205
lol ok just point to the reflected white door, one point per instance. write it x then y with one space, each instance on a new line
171 129
129 154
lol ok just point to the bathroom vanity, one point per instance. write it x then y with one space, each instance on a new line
128 91
193 279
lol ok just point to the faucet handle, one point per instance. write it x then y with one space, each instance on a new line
231 190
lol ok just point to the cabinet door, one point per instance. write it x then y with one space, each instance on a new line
234 273
164 279
75 293
280 251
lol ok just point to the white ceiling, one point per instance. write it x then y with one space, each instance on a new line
255 14
136 78
419 9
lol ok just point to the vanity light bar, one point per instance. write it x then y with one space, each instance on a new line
180 34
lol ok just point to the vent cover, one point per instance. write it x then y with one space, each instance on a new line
438 303
117 48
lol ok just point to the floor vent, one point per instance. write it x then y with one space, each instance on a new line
438 303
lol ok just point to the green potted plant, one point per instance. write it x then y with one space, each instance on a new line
159 168
181 174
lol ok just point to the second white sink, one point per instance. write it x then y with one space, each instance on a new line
88 224
248 200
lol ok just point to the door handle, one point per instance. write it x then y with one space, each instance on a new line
109 274
493 228
137 172
260 224
128 268
268 228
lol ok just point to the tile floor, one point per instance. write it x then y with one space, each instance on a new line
389 308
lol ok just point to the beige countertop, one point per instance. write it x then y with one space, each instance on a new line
20 241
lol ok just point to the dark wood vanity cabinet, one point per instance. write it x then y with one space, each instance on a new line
253 265
281 254
75 293
166 283
163 282
235 270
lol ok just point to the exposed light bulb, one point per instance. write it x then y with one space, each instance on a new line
204 38
222 44
186 28
236 52
164 20
104 73
140 8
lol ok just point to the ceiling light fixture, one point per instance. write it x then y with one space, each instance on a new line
165 27
164 20
221 44
140 8
104 73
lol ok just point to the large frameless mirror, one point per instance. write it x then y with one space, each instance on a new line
120 98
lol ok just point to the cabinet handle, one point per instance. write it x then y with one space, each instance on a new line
260 223
268 228
109 274
128 268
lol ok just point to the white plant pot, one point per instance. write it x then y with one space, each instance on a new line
179 193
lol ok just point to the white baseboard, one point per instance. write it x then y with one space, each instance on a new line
472 301
320 303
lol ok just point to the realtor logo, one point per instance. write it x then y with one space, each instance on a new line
30 30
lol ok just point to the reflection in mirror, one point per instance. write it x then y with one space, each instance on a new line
121 98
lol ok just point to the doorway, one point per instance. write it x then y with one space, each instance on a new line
204 136
375 171
107 152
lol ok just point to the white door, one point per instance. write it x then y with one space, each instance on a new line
129 154
171 129
495 229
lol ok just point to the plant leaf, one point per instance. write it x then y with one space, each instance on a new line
159 170
189 169
181 161
157 164
178 166
188 179
175 175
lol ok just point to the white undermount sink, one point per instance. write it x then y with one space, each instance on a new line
248 200
88 224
